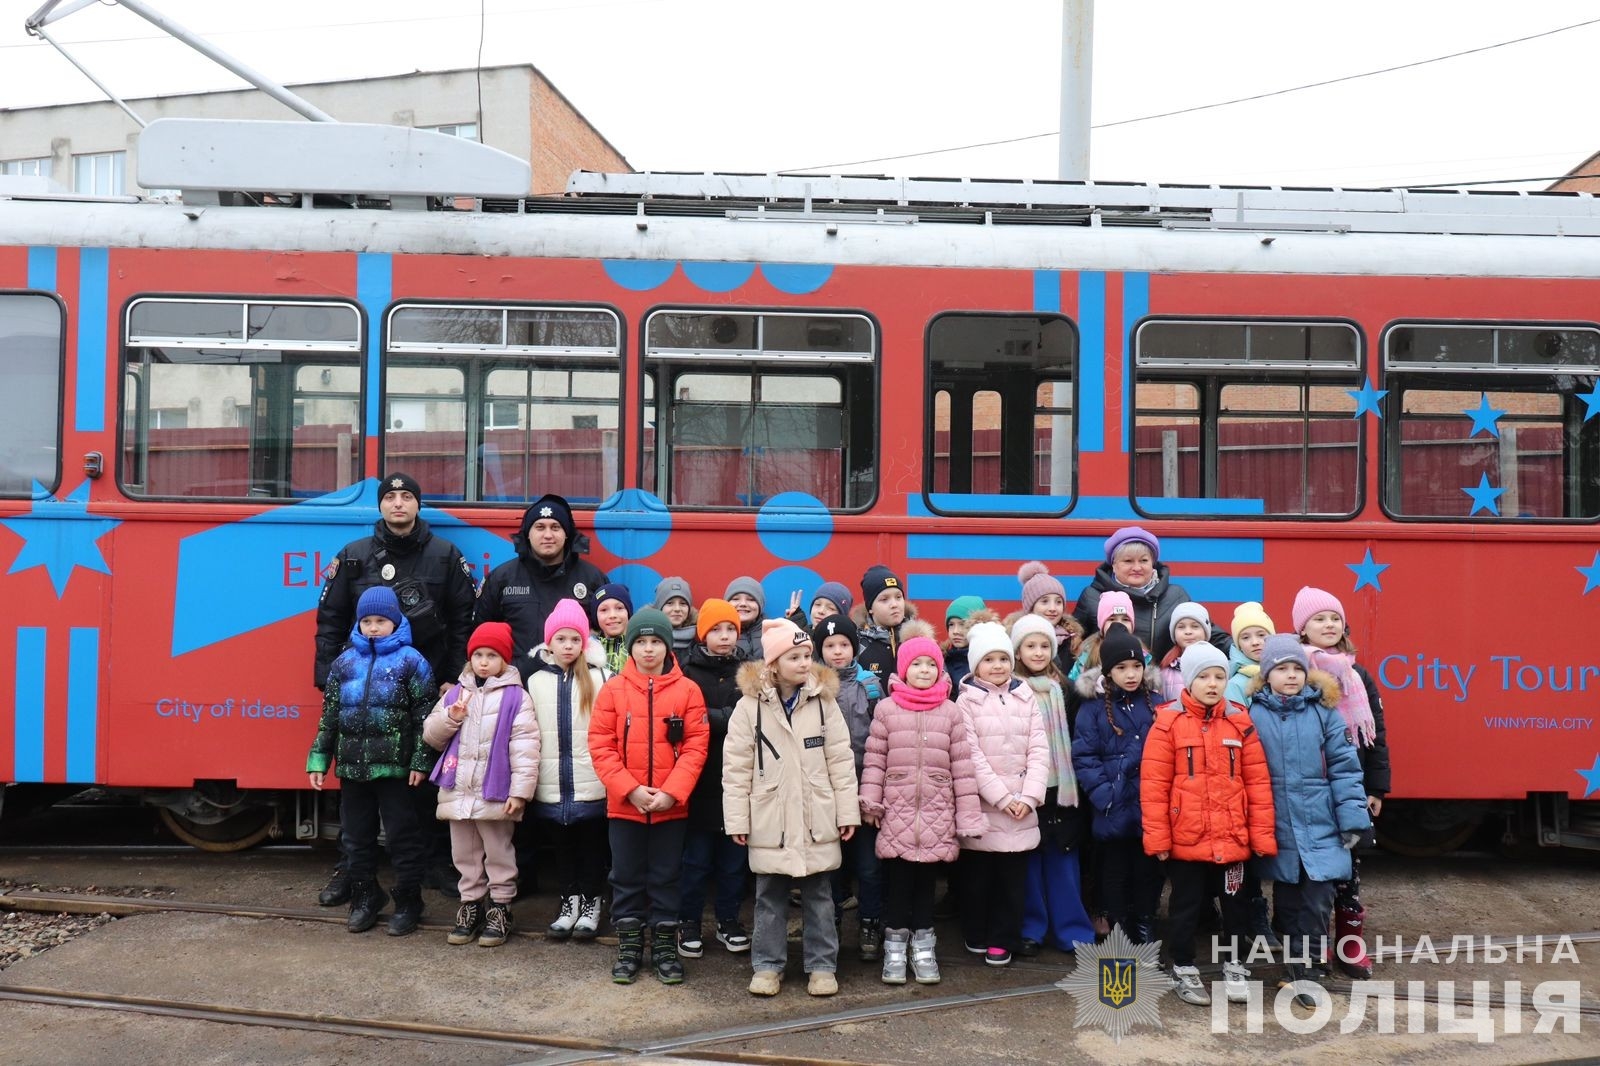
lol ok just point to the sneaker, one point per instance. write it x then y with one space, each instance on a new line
337 891
870 946
561 928
469 922
975 949
1236 982
822 983
691 940
733 936
997 957
1299 979
850 903
496 926
1030 948
1190 988
765 983
587 927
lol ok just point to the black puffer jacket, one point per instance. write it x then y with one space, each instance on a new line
717 678
1152 610
1374 759
433 582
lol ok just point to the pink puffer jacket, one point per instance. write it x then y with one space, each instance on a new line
918 778
1011 758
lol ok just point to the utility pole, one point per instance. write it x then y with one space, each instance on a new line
1077 86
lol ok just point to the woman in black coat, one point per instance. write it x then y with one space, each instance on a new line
1133 565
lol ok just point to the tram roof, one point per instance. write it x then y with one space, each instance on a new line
1033 202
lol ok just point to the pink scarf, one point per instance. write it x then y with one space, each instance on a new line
919 699
1353 704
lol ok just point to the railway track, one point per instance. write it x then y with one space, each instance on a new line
547 1049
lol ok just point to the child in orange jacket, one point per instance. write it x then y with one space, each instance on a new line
648 739
1206 800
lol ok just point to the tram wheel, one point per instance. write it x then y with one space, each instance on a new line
1424 830
235 833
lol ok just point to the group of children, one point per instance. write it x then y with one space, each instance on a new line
1056 780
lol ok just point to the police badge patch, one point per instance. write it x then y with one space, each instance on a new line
580 591
332 571
387 572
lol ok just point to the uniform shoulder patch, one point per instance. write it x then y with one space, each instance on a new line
466 568
332 571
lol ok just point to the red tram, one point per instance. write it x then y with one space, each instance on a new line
1387 393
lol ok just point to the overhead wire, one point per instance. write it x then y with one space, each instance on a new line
1206 107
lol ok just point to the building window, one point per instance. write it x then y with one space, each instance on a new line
741 407
1246 417
1491 422
26 168
501 404
467 131
1002 420
100 174
30 368
240 399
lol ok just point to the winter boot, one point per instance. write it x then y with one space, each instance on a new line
1349 944
1261 923
496 926
407 911
469 922
871 946
895 944
1295 974
924 963
561 928
366 900
337 890
630 951
1143 930
587 927
664 954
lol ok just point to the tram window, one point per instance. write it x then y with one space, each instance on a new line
796 414
1246 417
501 404
241 399
1489 423
30 367
1002 414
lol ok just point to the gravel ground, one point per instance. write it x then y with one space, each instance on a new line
24 934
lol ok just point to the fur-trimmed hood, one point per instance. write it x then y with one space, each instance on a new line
593 654
1320 680
753 681
858 615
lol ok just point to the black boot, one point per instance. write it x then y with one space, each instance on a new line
630 951
337 890
366 900
664 954
1261 923
1294 973
444 880
407 911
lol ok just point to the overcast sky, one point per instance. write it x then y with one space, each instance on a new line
757 86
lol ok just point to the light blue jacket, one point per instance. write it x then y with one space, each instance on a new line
1238 681
1317 789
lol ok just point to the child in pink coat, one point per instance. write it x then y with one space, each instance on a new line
1011 759
919 789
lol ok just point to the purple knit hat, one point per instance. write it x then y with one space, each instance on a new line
1128 535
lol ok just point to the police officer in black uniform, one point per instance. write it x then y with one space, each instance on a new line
549 567
435 587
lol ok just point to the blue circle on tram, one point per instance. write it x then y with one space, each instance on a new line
639 275
781 583
719 277
633 524
794 525
640 579
796 279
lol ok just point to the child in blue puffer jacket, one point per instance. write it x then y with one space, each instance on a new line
1113 721
1317 793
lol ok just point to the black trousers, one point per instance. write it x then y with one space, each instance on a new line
361 804
908 889
1304 909
1130 881
1193 884
580 854
993 887
646 861
1348 896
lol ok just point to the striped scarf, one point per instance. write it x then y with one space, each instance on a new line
1054 708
